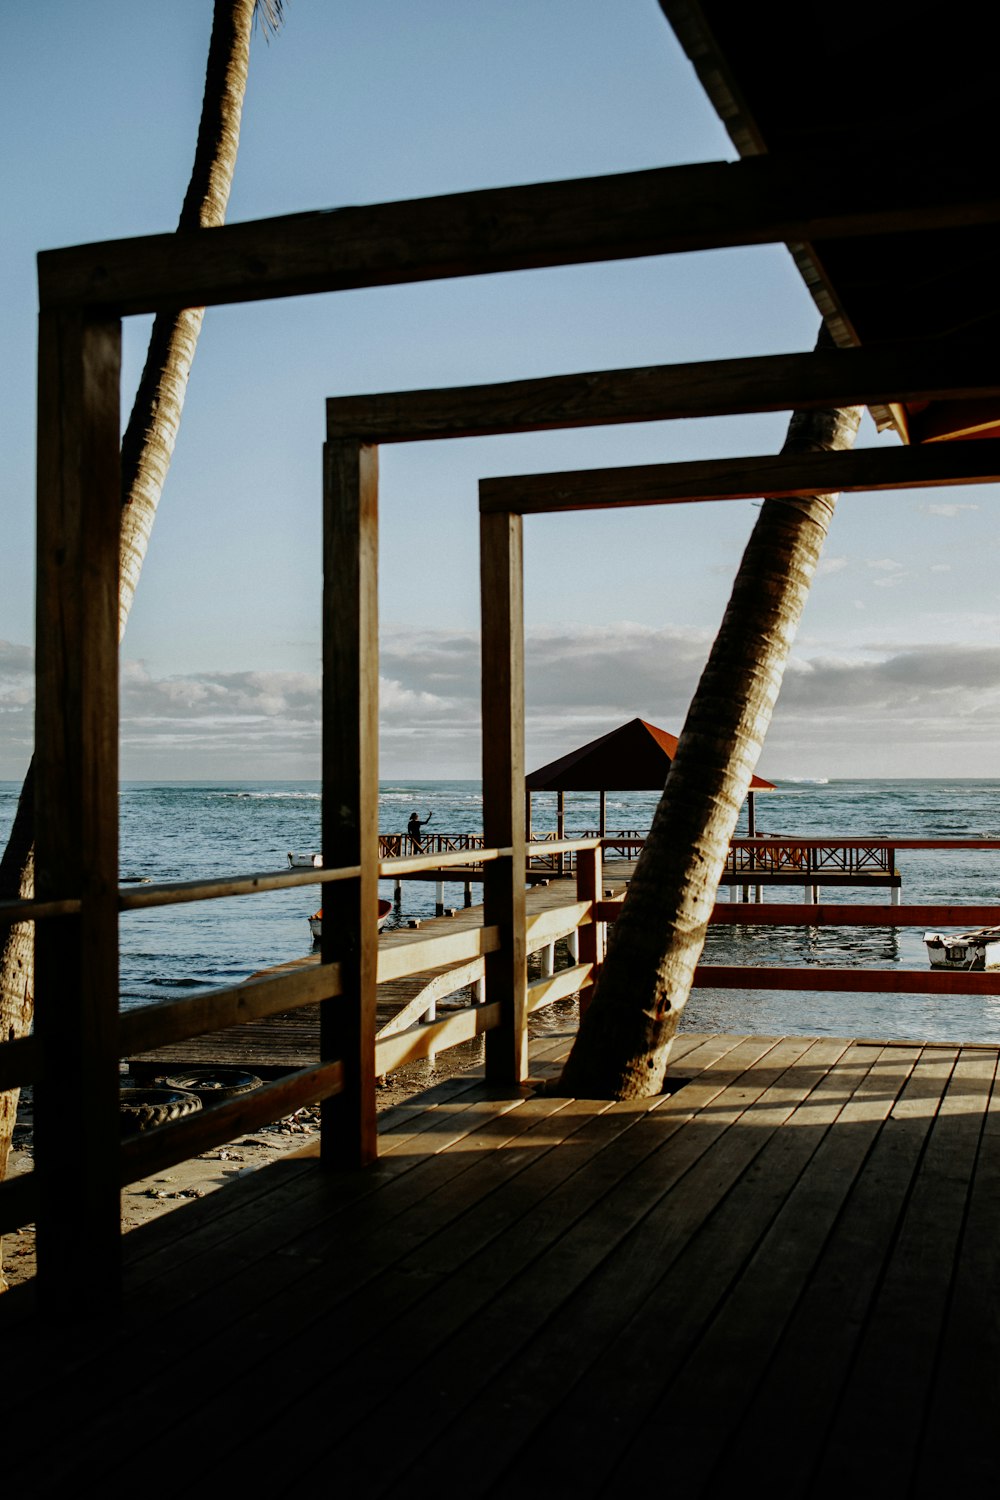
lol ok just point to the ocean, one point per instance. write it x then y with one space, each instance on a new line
178 831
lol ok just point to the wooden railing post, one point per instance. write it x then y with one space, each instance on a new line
77 1130
503 789
590 887
350 793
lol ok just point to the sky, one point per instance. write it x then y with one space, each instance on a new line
896 665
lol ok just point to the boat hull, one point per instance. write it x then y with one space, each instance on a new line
316 920
964 951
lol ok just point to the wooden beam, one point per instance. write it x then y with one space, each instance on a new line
848 981
18 1062
417 955
18 1202
76 811
867 469
658 393
558 986
665 210
350 794
502 596
801 914
431 1037
151 1026
546 926
175 892
589 889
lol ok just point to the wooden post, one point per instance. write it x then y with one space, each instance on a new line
589 887
350 793
503 789
77 1129
561 827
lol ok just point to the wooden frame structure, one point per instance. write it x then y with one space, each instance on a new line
84 292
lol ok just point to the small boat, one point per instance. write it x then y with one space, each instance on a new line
316 920
305 861
979 949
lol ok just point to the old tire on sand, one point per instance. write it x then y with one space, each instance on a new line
213 1084
144 1109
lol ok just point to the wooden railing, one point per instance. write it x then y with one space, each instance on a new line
774 853
150 1027
24 1061
397 845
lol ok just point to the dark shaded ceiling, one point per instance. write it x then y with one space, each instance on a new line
831 87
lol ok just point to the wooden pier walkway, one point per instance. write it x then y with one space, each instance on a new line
276 1044
787 1261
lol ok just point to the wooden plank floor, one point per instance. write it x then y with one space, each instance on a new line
782 1271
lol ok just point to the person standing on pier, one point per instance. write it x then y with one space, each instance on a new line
414 826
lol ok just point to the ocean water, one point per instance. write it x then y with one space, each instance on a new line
177 831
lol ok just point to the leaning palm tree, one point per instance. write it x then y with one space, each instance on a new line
147 448
623 1045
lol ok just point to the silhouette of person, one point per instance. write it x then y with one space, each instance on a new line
414 826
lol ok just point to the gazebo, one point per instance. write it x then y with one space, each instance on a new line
633 758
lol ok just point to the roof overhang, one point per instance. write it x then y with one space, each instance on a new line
794 81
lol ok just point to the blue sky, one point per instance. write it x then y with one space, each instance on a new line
373 100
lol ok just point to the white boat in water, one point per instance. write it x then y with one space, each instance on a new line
316 920
305 861
979 949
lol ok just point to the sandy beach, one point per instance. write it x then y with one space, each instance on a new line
160 1194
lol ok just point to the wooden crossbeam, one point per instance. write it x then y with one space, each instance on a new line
665 210
150 1026
847 981
657 393
868 469
855 914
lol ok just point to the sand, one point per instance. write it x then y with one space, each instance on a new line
145 1200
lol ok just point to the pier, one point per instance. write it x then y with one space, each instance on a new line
754 863
277 1044
410 1005
783 1265
786 1254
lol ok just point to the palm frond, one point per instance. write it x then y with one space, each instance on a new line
270 14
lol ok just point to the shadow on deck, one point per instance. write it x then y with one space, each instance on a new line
787 1261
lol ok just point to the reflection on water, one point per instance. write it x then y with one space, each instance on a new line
833 947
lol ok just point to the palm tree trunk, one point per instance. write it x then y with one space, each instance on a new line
623 1044
147 448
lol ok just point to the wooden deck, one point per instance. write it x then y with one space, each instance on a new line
785 1265
276 1044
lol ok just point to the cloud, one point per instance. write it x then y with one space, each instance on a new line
830 565
947 508
847 707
